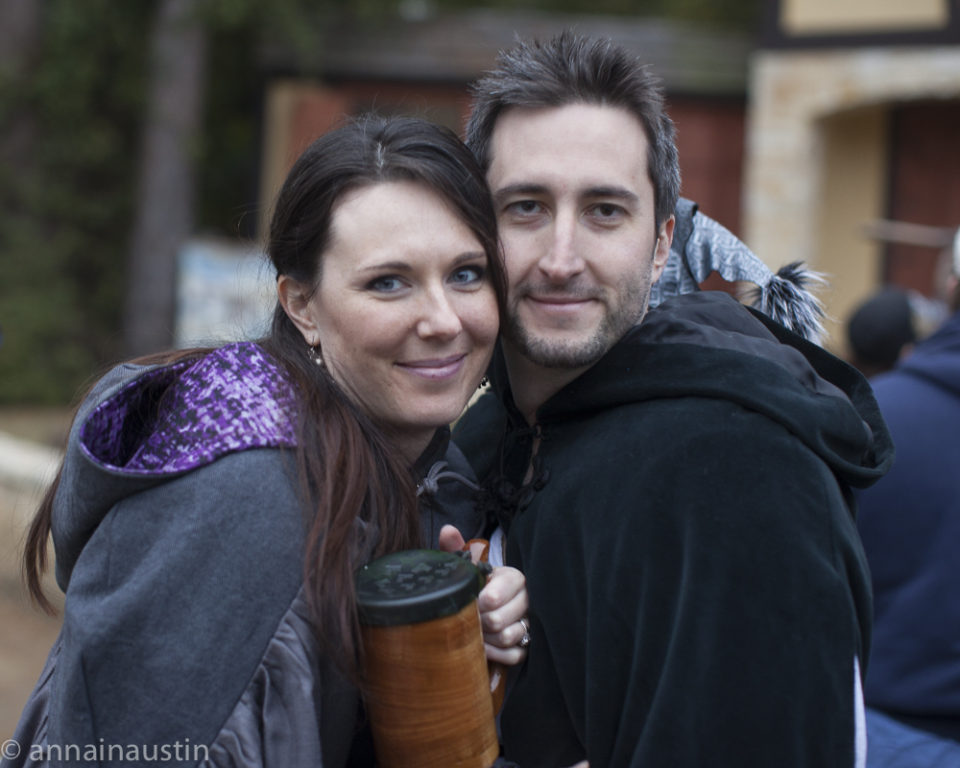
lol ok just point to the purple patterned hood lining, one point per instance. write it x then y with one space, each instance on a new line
183 416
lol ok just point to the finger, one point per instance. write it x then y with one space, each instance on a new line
510 635
505 617
505 602
450 540
504 585
509 656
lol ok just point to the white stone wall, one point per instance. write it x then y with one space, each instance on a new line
789 93
791 96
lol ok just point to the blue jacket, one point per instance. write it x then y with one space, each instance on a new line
910 526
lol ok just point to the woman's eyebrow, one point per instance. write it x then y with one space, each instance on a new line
469 256
395 266
403 266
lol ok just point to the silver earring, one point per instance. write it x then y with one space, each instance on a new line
483 382
315 355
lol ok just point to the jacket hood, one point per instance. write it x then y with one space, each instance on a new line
708 345
142 425
937 358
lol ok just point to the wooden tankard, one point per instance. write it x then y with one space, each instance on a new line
426 685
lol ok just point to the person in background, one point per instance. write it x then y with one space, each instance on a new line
909 523
882 330
214 505
674 484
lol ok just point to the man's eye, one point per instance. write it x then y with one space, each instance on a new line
468 275
607 210
386 284
524 207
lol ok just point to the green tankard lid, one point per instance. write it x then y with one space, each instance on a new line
415 585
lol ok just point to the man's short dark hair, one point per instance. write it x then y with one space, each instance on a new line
571 69
880 328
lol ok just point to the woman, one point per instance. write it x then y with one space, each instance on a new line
211 511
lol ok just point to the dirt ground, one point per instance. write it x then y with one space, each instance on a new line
26 633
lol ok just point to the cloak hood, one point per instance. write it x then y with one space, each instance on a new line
702 246
141 426
708 345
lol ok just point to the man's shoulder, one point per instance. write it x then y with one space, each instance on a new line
666 421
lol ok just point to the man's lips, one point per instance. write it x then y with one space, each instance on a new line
435 368
558 302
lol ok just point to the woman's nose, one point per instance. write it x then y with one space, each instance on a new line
439 317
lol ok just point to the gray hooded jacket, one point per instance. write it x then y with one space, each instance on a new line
178 532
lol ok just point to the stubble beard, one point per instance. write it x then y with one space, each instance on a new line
582 352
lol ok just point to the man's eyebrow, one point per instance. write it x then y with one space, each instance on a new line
604 190
522 188
618 193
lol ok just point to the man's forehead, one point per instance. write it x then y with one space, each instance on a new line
574 115
576 147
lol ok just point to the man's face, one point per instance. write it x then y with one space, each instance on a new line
576 211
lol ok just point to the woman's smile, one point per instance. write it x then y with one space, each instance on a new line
436 369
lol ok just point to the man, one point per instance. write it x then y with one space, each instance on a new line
881 331
910 522
677 490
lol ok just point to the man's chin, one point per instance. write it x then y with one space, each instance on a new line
562 353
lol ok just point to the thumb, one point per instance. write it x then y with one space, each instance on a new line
451 540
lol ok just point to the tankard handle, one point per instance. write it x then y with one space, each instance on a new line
479 550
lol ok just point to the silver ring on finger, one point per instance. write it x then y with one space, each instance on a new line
525 639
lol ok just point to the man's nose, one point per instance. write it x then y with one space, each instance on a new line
563 259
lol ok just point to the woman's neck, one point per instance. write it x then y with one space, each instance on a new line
410 444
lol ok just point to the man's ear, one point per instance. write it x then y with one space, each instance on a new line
661 251
294 297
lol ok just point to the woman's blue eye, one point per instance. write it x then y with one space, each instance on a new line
385 284
467 275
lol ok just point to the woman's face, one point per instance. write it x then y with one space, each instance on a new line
405 311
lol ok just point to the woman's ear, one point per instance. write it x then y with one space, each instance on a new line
294 297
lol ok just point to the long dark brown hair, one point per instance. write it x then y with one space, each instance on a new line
359 497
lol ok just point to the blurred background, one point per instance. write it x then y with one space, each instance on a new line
141 145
